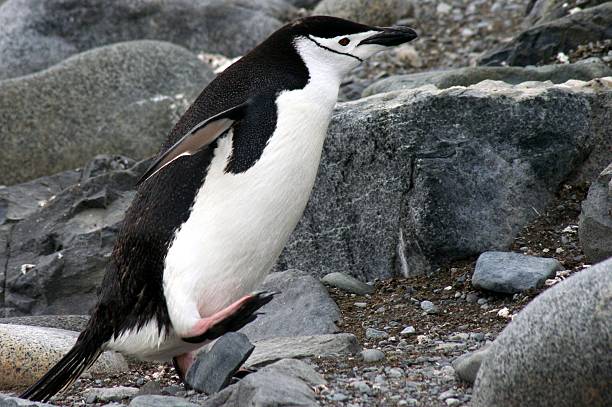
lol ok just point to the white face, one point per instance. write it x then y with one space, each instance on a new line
339 54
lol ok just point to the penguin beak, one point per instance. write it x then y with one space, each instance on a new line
391 36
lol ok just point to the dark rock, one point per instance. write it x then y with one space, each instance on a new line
265 389
272 350
213 370
556 351
347 283
160 401
57 256
302 307
467 366
304 3
509 74
68 322
595 228
32 37
411 179
544 11
542 42
151 388
119 99
512 273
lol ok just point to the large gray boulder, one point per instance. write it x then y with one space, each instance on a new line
595 227
556 351
509 74
119 99
37 34
543 41
413 178
371 12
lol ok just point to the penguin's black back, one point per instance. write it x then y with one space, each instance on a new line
132 292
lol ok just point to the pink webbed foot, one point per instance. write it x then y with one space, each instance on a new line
182 363
229 319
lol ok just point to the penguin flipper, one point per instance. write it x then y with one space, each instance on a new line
197 138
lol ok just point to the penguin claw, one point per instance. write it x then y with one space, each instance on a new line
245 311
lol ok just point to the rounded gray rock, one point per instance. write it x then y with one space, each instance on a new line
31 38
347 283
372 12
372 355
119 99
28 352
556 352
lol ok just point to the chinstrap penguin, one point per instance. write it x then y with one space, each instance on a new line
215 209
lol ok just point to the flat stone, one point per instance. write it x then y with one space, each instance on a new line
514 75
106 394
372 333
556 351
347 283
372 355
161 401
213 369
68 322
298 369
409 330
302 307
271 350
27 352
510 273
595 227
265 388
466 366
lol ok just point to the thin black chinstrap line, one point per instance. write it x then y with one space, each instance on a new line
334 51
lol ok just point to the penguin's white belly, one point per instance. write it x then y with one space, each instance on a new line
240 223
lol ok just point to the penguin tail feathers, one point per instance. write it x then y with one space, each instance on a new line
65 372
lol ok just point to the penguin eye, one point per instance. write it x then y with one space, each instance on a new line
344 41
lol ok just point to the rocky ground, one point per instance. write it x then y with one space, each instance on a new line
410 329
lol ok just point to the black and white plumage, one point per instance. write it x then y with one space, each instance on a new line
212 215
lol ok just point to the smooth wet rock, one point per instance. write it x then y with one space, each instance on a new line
109 394
160 401
377 12
32 40
595 227
556 351
511 273
514 75
542 42
415 178
347 283
68 322
466 366
272 350
213 369
301 307
28 352
119 99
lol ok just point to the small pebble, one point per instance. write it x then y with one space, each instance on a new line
429 307
408 330
372 333
360 304
471 298
452 402
339 397
372 355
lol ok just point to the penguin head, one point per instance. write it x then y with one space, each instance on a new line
340 45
